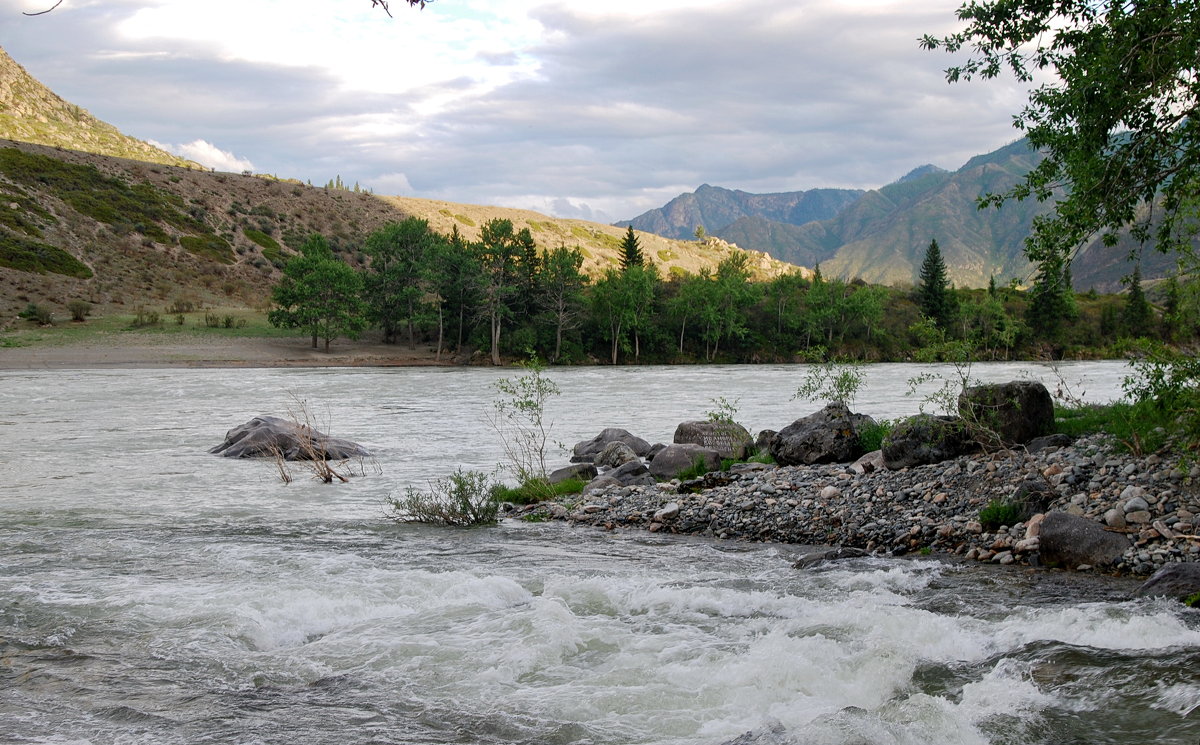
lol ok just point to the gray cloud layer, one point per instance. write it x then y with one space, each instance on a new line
769 95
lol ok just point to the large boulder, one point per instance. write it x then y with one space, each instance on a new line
614 454
676 458
1008 413
1070 541
633 473
729 439
926 438
587 450
828 436
272 437
1173 580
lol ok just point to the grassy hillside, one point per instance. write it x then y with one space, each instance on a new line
118 232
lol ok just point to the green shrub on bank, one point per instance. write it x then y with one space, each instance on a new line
39 314
463 499
537 490
1000 512
870 437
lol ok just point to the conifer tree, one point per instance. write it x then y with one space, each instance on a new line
631 250
1137 314
934 295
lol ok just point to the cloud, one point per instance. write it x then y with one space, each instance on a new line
208 154
607 106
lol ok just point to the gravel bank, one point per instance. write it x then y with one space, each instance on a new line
933 508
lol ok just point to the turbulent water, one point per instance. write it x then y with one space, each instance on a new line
151 593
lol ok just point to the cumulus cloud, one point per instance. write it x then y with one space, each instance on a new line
207 154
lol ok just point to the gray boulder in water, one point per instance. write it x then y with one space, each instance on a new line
1173 580
271 436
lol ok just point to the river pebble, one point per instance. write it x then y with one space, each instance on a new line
930 509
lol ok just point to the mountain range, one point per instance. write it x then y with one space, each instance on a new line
881 235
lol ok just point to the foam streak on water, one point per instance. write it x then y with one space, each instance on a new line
153 594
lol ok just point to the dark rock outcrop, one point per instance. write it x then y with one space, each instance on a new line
728 439
1069 541
1012 413
926 438
828 436
587 450
271 436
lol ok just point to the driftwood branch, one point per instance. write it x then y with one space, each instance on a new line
44 12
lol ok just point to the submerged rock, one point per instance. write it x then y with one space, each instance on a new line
1173 580
271 436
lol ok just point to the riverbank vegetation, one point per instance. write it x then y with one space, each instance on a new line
505 296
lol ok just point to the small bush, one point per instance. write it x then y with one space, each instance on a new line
79 310
39 314
462 499
698 468
182 305
146 318
871 437
999 512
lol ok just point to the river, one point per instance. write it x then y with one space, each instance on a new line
152 593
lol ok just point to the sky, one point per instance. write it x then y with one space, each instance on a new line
596 109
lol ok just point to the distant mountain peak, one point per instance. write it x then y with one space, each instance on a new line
920 171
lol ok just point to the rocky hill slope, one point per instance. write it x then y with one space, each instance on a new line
30 112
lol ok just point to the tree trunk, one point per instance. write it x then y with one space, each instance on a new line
314 335
495 338
441 328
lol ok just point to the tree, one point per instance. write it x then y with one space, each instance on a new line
1052 301
934 295
319 293
562 291
631 250
498 251
1117 119
1137 315
397 276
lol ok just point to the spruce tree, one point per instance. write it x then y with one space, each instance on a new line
934 294
1137 314
631 250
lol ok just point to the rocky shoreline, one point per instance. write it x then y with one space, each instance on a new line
1153 501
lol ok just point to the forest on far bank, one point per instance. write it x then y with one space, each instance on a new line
509 298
